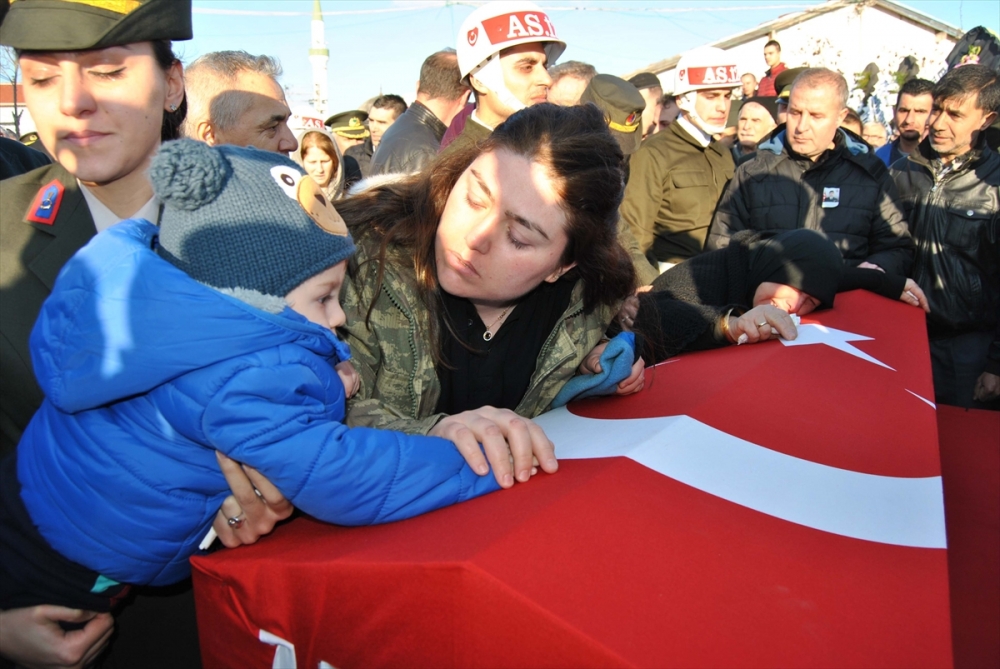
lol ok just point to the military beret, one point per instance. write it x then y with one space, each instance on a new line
72 25
622 106
645 80
350 124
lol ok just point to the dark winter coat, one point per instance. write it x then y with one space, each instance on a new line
954 216
410 143
860 213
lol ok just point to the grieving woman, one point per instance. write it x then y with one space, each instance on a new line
484 281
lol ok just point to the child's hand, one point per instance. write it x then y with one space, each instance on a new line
350 377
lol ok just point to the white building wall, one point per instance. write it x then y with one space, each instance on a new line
846 40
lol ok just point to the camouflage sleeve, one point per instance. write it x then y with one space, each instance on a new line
382 398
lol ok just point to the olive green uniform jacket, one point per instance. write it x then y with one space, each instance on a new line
671 194
31 255
393 353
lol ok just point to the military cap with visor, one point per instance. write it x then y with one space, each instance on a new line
622 106
783 82
349 124
75 25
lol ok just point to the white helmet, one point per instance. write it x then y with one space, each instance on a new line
702 69
500 25
305 118
705 68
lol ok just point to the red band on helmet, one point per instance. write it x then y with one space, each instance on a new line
723 75
518 26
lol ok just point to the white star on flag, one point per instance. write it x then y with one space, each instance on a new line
821 334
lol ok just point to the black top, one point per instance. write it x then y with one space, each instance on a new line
16 158
495 373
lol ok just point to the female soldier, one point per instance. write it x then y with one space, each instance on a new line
104 89
484 281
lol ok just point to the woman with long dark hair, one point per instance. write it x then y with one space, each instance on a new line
482 283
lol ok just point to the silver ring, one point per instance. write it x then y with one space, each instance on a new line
236 522
760 325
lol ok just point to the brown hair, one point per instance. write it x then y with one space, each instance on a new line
440 77
585 163
170 128
321 141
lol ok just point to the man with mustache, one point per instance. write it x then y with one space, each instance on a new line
913 106
950 188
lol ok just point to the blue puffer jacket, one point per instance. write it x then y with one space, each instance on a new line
147 373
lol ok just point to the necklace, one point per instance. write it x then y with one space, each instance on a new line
488 335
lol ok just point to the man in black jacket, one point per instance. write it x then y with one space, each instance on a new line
950 187
413 140
810 174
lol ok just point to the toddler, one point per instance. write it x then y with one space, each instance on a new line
159 346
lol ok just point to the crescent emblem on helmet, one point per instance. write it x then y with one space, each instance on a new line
473 36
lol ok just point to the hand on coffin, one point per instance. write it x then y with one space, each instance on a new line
633 384
514 446
987 387
350 377
763 323
868 265
253 509
32 638
627 312
912 295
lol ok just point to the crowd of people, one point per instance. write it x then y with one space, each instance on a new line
211 317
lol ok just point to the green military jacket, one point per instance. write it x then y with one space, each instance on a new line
473 133
672 191
393 353
31 255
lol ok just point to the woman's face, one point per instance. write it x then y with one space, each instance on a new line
503 231
792 300
99 112
318 165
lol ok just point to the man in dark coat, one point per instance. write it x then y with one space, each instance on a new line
383 113
811 174
413 140
950 188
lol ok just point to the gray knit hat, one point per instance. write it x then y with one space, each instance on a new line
244 221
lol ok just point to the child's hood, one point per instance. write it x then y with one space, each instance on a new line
122 321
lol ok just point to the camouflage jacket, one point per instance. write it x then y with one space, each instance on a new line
393 352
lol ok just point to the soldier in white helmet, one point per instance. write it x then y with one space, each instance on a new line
678 174
503 50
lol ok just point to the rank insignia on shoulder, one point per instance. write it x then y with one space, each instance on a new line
45 206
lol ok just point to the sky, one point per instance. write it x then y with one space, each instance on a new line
377 46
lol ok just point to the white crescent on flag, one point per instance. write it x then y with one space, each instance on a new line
886 509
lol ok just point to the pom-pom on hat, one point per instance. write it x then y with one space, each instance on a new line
244 221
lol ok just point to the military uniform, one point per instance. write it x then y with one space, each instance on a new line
473 133
393 353
672 190
31 255
158 629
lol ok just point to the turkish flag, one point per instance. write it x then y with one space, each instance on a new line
764 505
